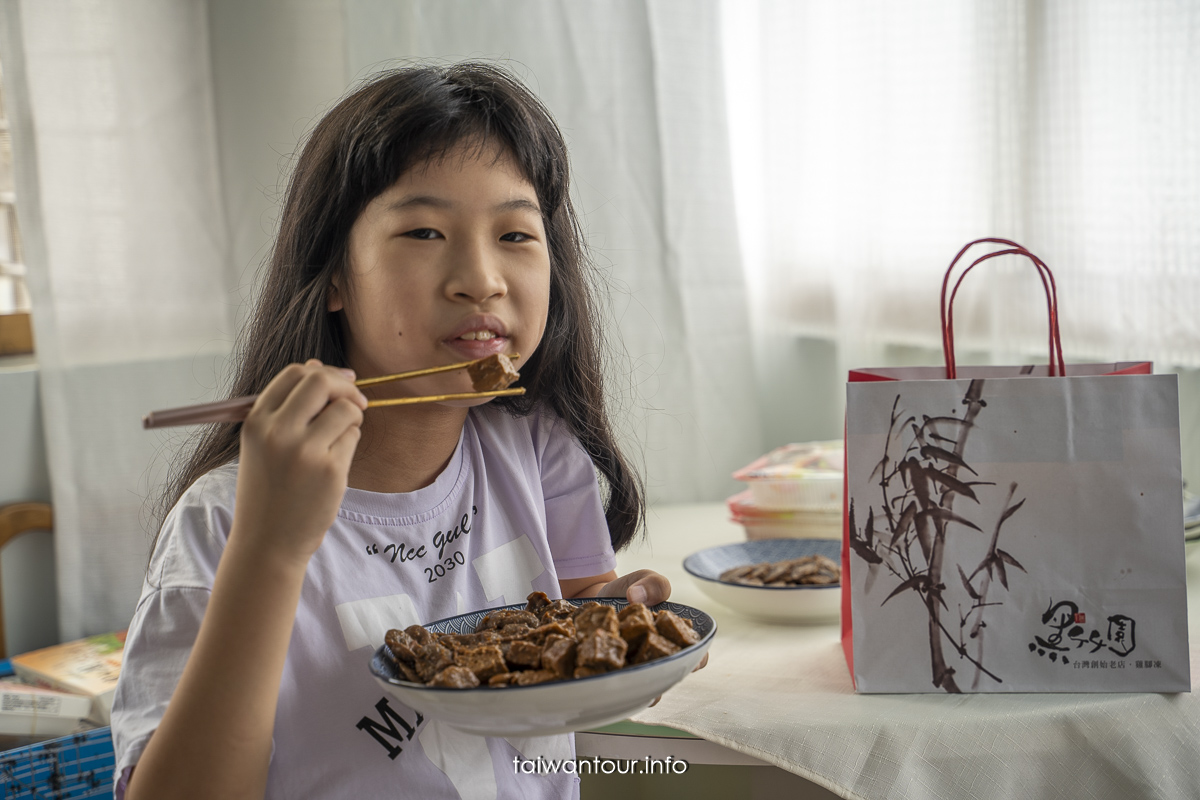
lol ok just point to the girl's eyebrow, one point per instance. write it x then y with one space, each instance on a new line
419 200
518 204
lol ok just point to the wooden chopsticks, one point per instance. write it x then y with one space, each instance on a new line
417 373
236 409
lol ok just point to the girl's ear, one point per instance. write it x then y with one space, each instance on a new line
333 301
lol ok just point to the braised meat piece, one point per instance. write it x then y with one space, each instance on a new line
420 635
587 672
503 617
455 678
459 641
542 632
559 656
522 654
595 617
556 610
514 631
409 673
635 622
602 649
484 661
492 373
827 572
675 628
400 651
400 645
776 573
536 602
588 606
746 575
432 658
654 646
503 679
532 676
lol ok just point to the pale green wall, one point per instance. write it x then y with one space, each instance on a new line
27 562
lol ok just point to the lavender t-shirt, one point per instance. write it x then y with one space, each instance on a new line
517 509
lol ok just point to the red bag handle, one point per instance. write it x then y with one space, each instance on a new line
947 308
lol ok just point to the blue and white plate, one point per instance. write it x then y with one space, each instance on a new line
768 603
548 708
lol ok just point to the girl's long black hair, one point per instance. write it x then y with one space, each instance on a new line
393 122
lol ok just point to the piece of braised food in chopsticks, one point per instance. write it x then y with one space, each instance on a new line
548 640
814 570
492 373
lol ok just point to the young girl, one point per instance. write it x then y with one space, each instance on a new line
427 222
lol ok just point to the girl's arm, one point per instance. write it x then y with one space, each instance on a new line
642 586
214 740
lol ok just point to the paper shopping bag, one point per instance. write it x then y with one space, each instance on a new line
1014 529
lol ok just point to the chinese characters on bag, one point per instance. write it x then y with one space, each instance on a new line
1068 635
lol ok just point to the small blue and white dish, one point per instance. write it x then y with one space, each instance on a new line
548 708
791 604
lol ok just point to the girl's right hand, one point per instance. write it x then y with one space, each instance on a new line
296 447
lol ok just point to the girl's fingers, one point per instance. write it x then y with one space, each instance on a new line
281 386
318 388
344 446
333 421
642 586
648 587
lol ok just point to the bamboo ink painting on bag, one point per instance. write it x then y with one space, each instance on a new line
1016 534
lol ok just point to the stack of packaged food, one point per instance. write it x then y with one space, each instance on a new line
795 491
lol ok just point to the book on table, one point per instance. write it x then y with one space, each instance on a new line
87 667
35 711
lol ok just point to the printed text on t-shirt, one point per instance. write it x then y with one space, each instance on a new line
441 540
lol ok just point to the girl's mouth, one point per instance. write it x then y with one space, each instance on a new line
478 336
478 344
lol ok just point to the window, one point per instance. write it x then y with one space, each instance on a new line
15 329
873 139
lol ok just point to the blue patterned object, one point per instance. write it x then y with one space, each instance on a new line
709 564
67 768
383 668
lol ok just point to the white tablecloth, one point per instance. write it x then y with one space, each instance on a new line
783 694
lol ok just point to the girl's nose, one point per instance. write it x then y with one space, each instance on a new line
475 274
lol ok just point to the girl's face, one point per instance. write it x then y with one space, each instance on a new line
449 264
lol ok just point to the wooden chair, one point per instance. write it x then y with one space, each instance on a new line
15 519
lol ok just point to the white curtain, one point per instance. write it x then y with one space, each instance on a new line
637 88
872 139
153 139
111 107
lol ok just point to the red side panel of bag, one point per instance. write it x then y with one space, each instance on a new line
855 376
847 611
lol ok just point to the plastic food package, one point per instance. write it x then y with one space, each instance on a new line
797 477
763 523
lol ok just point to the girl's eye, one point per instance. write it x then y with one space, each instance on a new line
516 236
422 233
